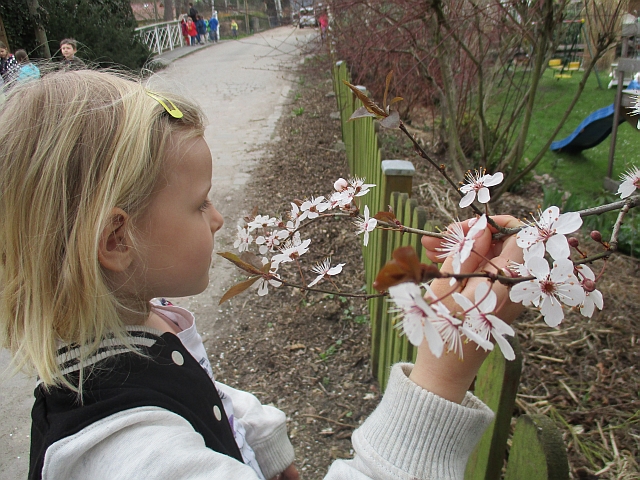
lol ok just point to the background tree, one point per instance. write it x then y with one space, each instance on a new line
104 29
475 64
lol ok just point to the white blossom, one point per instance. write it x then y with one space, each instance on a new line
324 269
592 297
477 183
457 245
263 283
366 225
630 181
314 207
548 290
243 239
549 231
479 319
416 316
262 221
292 250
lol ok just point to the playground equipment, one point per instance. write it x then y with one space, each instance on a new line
599 124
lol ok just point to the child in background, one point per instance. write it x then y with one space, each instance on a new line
68 48
28 71
109 195
201 28
192 31
9 68
183 29
234 29
213 29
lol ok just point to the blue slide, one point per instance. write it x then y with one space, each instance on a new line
593 130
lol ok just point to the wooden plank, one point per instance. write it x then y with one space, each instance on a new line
537 451
496 385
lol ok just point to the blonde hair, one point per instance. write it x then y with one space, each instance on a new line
73 145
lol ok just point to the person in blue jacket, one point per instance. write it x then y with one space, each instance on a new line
28 71
213 29
201 27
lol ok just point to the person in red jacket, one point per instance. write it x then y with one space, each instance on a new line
192 31
183 29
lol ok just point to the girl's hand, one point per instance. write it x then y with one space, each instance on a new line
291 473
447 376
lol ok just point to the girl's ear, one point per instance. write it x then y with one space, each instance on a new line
115 252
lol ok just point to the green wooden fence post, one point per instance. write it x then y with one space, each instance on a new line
537 451
496 385
398 178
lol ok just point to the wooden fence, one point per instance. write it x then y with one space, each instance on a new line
537 450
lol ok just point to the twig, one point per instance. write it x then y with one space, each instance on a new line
320 417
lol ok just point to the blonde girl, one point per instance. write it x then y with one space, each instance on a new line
104 207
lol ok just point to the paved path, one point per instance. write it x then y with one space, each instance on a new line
242 86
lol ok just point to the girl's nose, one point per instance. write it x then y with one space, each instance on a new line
216 220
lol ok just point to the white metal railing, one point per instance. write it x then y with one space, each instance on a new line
161 36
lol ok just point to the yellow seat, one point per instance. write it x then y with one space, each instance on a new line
555 63
573 67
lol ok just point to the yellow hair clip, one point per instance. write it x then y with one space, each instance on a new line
173 111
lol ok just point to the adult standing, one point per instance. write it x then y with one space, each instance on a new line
193 13
9 68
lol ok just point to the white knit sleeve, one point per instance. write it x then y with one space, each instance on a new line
414 434
265 428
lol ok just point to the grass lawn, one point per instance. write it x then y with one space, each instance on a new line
582 174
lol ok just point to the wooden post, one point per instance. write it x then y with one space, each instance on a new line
616 109
496 385
398 178
537 451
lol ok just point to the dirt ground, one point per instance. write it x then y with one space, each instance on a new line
308 353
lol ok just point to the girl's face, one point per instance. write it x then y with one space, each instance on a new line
67 50
176 232
3 53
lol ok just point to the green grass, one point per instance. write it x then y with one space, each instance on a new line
582 174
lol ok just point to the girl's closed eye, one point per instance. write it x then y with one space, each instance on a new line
206 204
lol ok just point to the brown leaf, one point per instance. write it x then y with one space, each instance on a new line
404 267
252 259
361 113
366 101
237 289
392 121
238 262
388 217
295 346
396 100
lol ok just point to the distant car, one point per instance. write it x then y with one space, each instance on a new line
307 18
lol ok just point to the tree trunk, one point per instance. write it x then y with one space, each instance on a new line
168 10
41 35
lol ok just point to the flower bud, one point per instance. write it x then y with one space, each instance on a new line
573 242
596 235
588 285
340 185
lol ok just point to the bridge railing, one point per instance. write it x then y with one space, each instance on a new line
163 36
